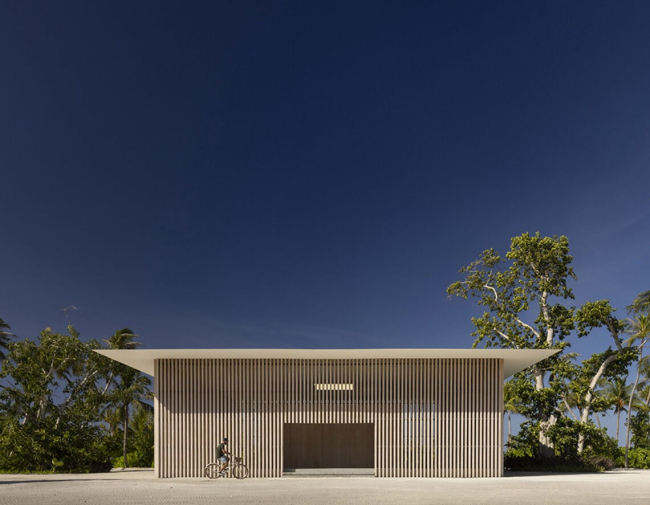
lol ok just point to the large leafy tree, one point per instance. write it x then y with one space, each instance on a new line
519 291
54 394
51 400
525 296
521 295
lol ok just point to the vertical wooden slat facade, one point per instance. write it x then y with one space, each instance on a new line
431 417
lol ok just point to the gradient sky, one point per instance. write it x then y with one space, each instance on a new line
312 174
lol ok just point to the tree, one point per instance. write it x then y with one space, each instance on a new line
639 331
618 394
131 388
511 403
640 305
644 391
573 396
54 392
523 296
141 446
519 293
640 427
51 399
611 364
5 338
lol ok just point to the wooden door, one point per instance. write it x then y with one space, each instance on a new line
329 446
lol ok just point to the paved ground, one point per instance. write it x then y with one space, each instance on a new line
133 487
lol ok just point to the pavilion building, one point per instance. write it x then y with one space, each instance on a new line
389 412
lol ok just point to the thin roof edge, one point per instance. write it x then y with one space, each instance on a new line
143 360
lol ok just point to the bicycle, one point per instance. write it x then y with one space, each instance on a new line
238 470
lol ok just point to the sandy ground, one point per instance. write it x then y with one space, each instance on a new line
130 487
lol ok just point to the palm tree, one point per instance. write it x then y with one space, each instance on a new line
644 397
572 398
618 395
511 403
639 331
133 387
4 338
644 392
640 305
123 339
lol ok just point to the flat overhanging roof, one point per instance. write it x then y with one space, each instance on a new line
514 360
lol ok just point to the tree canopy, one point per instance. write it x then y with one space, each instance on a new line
55 391
526 298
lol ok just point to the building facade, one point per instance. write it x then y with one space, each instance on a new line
396 413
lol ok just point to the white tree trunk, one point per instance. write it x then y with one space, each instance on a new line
546 448
590 396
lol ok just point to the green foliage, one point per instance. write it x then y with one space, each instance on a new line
535 404
641 305
54 391
595 315
131 389
511 399
565 435
524 444
600 454
638 457
640 427
50 403
516 293
5 337
523 296
141 442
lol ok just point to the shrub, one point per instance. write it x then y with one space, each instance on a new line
640 427
599 454
638 457
535 464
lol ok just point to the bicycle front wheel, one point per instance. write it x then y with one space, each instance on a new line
212 470
240 472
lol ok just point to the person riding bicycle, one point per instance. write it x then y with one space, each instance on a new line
222 455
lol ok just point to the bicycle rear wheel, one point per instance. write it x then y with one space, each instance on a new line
212 470
240 472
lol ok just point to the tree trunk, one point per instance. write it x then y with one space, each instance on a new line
126 429
618 422
509 432
590 396
597 420
545 448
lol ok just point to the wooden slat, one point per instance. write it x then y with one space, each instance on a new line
432 417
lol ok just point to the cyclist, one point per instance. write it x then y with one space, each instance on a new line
222 455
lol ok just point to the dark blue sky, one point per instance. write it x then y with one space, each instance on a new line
312 174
